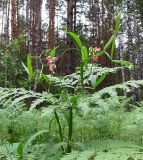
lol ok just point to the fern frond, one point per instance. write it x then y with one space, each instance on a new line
108 150
72 156
11 97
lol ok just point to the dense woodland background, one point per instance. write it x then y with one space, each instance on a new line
32 26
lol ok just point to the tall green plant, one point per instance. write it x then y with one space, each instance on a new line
83 66
85 55
71 105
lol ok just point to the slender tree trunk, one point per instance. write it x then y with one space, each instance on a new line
70 57
13 18
130 35
7 20
51 32
35 36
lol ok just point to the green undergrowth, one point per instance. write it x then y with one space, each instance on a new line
107 118
76 121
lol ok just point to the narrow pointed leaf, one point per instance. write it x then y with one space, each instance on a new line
29 66
99 80
26 69
124 63
76 38
52 52
117 27
20 149
84 53
111 42
31 139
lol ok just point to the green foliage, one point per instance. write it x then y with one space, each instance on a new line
52 52
11 57
29 68
124 63
73 80
14 96
111 42
84 56
29 141
108 149
77 39
94 120
95 82
79 118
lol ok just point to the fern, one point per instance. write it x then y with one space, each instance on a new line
72 156
36 153
12 97
94 115
2 153
107 97
53 150
72 80
76 155
107 149
19 95
87 154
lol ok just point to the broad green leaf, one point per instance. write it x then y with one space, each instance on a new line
99 80
124 63
20 149
117 27
107 46
29 141
100 53
76 38
113 48
17 148
73 100
84 53
29 66
109 42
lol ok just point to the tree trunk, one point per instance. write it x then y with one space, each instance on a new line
70 57
51 31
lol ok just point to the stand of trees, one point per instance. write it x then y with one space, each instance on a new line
93 20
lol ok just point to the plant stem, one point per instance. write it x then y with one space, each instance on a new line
70 128
81 74
60 128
